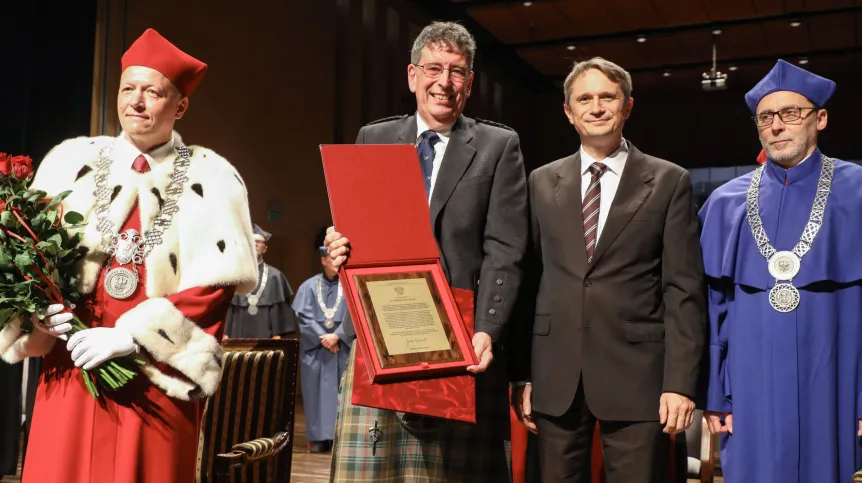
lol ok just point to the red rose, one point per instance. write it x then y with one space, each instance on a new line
5 164
22 166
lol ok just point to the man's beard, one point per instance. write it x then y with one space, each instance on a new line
785 155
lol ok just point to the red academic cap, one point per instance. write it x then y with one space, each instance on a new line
156 52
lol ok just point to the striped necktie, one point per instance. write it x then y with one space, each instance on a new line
590 213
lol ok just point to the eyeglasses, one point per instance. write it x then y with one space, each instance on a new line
433 71
788 114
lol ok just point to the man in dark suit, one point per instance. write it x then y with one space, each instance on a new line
476 187
619 317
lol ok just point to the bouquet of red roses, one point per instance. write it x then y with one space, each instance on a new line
38 253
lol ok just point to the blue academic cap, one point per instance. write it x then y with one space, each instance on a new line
323 251
788 77
259 231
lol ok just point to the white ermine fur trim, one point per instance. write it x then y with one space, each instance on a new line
209 242
160 328
15 345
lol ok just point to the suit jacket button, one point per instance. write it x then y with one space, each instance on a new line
497 298
499 282
588 283
492 312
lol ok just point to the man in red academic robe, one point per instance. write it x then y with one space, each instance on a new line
167 241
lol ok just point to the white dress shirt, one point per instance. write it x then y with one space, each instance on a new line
439 149
125 152
609 181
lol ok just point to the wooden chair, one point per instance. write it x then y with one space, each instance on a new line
707 453
247 425
702 446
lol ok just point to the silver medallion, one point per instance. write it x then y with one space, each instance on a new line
784 265
328 313
130 247
784 297
254 298
127 247
120 283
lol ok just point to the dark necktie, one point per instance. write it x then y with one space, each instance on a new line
141 165
426 157
590 213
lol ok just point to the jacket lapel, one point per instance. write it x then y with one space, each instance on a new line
459 155
635 186
567 193
407 133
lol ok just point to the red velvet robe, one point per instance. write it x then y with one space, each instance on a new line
134 435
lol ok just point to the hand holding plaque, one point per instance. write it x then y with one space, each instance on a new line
483 346
404 313
338 247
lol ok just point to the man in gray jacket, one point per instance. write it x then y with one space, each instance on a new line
476 188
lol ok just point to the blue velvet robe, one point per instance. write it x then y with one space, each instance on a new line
320 370
792 381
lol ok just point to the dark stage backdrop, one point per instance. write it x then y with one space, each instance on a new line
46 83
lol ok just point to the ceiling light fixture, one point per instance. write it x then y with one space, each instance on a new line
716 32
641 39
732 68
570 47
713 80
795 23
527 4
803 61
666 73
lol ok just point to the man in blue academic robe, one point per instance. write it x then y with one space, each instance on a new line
324 351
785 298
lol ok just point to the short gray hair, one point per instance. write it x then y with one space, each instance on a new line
451 35
609 69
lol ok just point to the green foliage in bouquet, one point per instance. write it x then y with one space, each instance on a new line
38 253
25 287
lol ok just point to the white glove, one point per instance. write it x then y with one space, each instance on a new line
92 347
56 324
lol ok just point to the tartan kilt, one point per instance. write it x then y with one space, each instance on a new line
448 452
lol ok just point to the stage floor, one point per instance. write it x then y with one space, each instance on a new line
307 467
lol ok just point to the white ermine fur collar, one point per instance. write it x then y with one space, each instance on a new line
209 244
